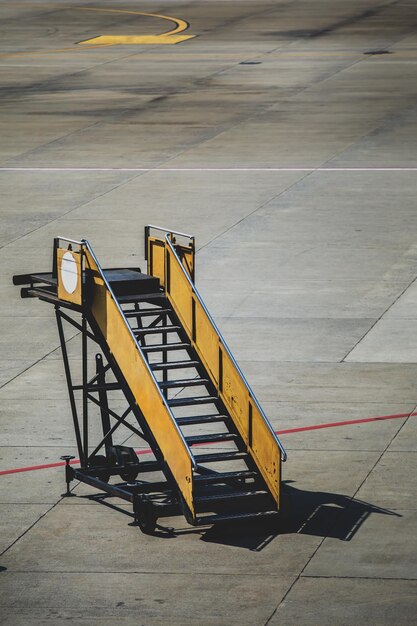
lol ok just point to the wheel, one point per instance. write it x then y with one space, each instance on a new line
129 474
147 518
100 461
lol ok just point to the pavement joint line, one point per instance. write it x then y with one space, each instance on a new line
197 169
152 572
360 577
142 451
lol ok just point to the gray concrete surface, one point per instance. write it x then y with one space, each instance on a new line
291 154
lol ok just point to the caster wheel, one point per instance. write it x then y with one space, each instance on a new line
147 518
100 461
129 475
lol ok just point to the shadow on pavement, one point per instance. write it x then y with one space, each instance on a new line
316 513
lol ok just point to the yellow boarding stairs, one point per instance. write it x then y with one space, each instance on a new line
214 454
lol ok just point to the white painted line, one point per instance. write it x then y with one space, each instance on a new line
208 169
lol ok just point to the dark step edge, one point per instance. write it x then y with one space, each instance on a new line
166 346
192 401
210 438
218 477
156 329
146 312
220 456
232 495
200 419
173 365
213 519
143 297
186 382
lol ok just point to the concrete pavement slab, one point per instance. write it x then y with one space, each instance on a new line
393 481
186 551
18 519
146 598
383 547
405 441
288 339
43 380
390 340
375 435
10 368
43 338
346 383
344 601
43 486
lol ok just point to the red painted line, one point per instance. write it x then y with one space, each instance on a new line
278 432
345 423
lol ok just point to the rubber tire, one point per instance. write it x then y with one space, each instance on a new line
99 460
129 475
147 518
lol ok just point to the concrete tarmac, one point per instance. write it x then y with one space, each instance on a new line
284 136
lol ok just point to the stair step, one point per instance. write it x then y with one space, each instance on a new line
130 282
146 312
130 299
200 419
220 456
166 346
192 401
219 477
173 365
186 382
212 519
231 495
214 438
156 329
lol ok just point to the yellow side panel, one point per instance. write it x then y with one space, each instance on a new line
180 292
235 396
250 422
188 261
118 337
156 259
207 342
69 276
266 452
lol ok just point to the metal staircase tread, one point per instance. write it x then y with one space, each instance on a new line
166 346
192 401
143 297
185 382
156 329
173 365
218 477
230 495
200 419
210 438
212 519
146 312
212 457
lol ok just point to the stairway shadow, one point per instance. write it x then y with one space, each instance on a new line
316 513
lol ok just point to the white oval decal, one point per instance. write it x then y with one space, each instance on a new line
69 275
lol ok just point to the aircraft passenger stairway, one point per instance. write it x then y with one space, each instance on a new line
215 455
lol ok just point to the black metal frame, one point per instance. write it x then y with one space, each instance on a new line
150 499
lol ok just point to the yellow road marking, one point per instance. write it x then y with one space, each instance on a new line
170 37
115 40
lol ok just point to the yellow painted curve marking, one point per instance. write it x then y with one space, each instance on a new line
171 37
